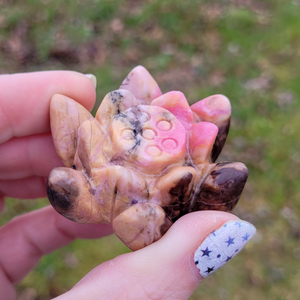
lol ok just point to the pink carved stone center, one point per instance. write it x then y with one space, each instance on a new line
145 160
157 137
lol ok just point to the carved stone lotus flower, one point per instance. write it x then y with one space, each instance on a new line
145 160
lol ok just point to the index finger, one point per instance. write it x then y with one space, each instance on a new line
25 99
26 238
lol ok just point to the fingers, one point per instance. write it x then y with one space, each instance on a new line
169 268
27 163
26 238
7 290
26 188
28 156
25 98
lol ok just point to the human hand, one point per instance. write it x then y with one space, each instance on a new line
27 155
167 269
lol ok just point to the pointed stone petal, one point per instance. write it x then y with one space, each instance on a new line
173 191
141 225
113 104
69 194
91 145
201 140
215 109
66 116
223 187
142 85
176 103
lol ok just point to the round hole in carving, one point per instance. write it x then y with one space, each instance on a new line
169 144
164 125
127 134
148 134
144 117
154 151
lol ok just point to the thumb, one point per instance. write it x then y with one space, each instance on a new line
194 247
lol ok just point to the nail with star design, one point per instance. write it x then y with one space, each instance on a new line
222 245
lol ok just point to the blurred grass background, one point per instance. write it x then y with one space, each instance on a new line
248 50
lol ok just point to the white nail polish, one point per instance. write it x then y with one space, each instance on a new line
92 78
222 245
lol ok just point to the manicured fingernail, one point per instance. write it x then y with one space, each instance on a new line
92 78
222 245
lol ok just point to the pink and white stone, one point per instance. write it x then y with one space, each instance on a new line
145 160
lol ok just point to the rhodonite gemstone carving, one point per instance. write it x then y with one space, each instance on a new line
145 160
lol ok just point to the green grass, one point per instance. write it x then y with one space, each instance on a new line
247 51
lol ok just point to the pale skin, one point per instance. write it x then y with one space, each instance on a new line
27 155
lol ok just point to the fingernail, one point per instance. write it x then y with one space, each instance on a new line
92 78
222 245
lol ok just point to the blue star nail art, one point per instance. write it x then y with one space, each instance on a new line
222 245
246 236
230 241
209 270
206 252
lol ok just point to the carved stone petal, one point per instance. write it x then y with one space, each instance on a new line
66 115
142 85
201 140
176 103
92 143
68 192
141 225
215 109
223 187
113 104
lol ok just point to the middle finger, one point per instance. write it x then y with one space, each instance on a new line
28 156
